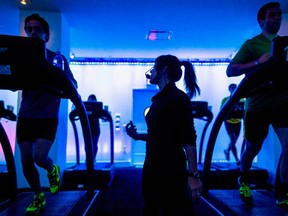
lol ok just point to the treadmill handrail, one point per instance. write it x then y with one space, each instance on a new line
9 158
208 119
201 111
256 79
103 114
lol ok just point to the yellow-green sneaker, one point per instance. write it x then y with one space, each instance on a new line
282 202
54 179
245 191
37 205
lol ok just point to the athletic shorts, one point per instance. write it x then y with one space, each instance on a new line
256 124
233 128
29 129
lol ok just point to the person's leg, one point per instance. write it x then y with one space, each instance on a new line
250 152
233 146
280 125
150 191
25 131
95 138
256 126
41 154
29 170
95 133
227 151
282 134
281 186
44 133
41 158
234 138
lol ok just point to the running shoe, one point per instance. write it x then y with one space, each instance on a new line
54 179
245 191
282 202
37 205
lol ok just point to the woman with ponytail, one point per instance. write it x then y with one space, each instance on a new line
170 178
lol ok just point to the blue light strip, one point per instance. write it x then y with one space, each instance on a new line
143 61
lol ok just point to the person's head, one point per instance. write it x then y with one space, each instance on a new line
269 17
92 97
232 87
167 69
36 26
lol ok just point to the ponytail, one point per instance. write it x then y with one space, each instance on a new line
174 72
190 80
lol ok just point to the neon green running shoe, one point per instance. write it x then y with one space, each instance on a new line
54 179
282 202
245 192
37 205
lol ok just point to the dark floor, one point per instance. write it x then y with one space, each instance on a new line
123 197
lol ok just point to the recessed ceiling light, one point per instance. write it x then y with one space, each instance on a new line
159 35
25 2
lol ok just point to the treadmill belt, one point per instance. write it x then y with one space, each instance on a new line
264 203
224 166
59 204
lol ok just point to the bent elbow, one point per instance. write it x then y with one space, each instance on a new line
228 73
232 70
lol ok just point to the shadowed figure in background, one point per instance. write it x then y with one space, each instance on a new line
93 114
94 126
233 126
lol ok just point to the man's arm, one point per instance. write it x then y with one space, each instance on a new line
235 69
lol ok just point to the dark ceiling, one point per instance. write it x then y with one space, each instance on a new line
200 28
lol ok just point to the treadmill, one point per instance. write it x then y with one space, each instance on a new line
228 202
21 59
104 172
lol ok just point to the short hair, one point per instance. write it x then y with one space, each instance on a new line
232 85
92 97
263 10
42 21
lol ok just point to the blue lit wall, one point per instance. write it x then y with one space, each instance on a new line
113 85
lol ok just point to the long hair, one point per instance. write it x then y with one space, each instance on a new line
190 79
174 72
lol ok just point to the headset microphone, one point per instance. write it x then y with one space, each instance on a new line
148 73
148 76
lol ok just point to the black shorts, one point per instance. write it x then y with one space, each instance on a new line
256 124
233 129
29 129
